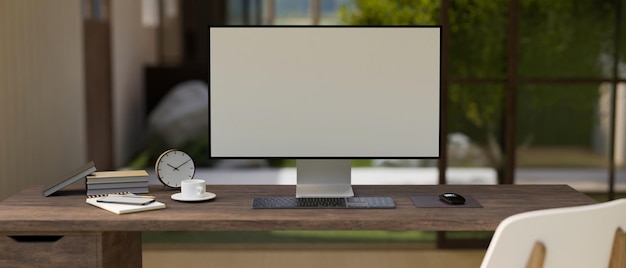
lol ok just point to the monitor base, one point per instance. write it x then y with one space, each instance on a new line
329 190
324 178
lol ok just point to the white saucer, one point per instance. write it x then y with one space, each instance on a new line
206 196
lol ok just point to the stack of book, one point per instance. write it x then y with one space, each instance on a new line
69 178
124 181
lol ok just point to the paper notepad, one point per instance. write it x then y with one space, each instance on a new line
122 208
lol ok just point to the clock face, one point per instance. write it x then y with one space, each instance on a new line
174 166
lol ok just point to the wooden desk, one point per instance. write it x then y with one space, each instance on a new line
93 237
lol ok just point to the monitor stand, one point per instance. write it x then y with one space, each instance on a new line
324 178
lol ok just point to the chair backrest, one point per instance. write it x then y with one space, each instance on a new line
582 236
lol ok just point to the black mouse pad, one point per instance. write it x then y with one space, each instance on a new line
432 201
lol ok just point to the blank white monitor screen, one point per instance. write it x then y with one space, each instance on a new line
324 92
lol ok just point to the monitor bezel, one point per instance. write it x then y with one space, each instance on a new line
439 147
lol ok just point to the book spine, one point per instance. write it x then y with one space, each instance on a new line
117 180
117 174
138 190
117 185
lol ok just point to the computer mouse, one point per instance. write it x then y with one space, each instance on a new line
452 198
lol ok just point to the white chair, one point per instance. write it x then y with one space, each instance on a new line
583 236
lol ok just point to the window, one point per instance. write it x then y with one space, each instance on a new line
529 83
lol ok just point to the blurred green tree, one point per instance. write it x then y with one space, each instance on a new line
562 39
476 112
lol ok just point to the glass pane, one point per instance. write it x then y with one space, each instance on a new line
562 135
290 12
330 11
475 129
392 12
478 39
235 12
245 12
566 38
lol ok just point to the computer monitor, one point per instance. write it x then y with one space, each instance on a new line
324 95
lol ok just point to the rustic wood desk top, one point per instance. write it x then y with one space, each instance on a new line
29 211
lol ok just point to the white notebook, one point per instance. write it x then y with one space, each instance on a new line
123 208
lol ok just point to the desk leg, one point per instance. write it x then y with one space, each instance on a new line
120 249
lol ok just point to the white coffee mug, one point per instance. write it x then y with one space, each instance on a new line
193 188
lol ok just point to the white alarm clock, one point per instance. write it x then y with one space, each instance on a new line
174 166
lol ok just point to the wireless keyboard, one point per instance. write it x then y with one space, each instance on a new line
323 202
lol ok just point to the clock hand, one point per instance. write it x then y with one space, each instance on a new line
183 164
175 168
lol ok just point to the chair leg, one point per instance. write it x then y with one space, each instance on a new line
537 256
618 254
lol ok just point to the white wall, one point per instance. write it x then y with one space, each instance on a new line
42 106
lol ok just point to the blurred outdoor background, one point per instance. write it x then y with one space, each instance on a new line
533 90
528 85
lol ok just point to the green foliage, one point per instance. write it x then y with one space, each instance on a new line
476 110
477 46
565 38
556 39
477 49
396 12
290 237
568 113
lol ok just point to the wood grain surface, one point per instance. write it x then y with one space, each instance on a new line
231 210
